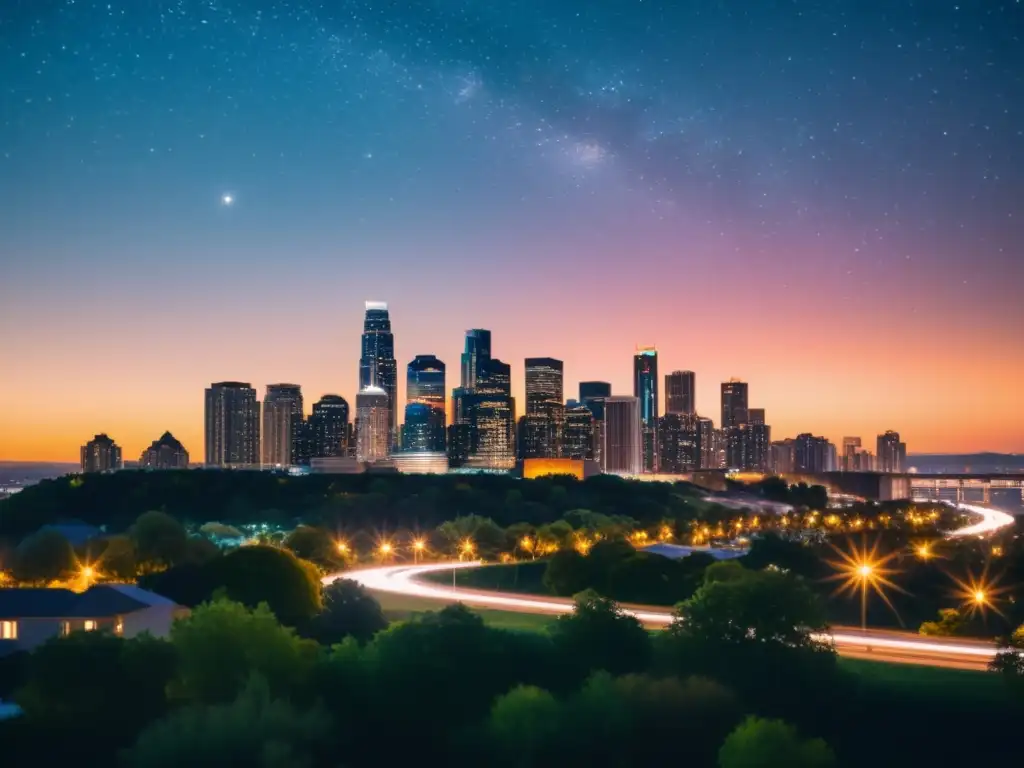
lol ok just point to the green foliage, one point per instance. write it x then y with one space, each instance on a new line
758 743
523 723
348 611
256 574
951 623
160 540
567 573
252 730
486 537
42 557
220 645
315 545
597 635
118 559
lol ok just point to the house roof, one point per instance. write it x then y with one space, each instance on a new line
676 552
76 533
100 601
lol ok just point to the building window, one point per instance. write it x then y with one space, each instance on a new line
65 628
119 626
89 625
8 630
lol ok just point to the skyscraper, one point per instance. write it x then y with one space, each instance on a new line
329 427
101 454
232 425
622 451
578 432
545 402
373 425
891 453
425 385
592 395
165 453
475 357
645 389
377 365
537 438
734 403
757 448
282 425
813 454
678 443
709 440
681 393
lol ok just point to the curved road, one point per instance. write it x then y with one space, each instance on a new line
881 645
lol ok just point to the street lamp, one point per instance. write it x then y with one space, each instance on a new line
465 548
342 548
861 569
385 549
864 572
417 547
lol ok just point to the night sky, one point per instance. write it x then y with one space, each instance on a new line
823 198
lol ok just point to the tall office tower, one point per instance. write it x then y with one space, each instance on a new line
373 425
678 443
101 454
460 443
425 385
891 453
544 399
813 454
282 425
851 449
232 418
578 432
645 389
734 404
706 439
537 437
329 427
497 378
783 457
377 366
757 451
681 392
592 395
492 429
622 452
475 357
165 453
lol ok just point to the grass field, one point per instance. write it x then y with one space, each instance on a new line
526 578
402 607
923 681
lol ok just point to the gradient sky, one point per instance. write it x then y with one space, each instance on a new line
822 198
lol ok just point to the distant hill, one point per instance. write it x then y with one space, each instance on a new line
932 463
29 472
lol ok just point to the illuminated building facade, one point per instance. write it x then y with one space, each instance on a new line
425 386
165 453
475 357
678 443
492 424
757 451
101 454
622 451
232 425
783 457
544 402
813 454
421 462
537 437
578 432
681 393
592 395
645 389
329 428
373 425
708 439
891 453
534 468
282 425
735 424
855 458
377 365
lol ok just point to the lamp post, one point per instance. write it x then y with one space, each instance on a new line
864 572
417 547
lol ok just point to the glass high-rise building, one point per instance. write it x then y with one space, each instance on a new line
329 427
681 393
678 443
545 401
475 357
813 454
645 389
373 425
167 452
734 404
377 365
578 432
425 385
592 395
101 454
232 425
282 425
622 449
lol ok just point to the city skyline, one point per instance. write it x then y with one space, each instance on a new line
707 402
824 203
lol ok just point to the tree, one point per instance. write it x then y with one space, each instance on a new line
160 540
118 559
484 534
258 574
98 684
567 573
555 536
44 556
349 610
254 730
951 623
316 545
597 635
221 644
523 724
758 743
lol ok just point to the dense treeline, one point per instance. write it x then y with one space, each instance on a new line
738 680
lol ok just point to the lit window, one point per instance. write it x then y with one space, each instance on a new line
65 628
119 626
89 625
8 630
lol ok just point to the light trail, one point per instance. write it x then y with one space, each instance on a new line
891 646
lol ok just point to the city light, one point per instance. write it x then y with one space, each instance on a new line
418 545
342 547
979 594
862 570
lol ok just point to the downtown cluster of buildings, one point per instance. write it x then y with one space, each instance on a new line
622 434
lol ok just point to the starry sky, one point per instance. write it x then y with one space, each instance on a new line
822 197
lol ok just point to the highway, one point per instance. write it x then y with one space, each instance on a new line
879 645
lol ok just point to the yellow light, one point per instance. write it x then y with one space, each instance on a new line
526 543
980 597
385 548
923 552
865 571
342 547
467 547
418 545
88 572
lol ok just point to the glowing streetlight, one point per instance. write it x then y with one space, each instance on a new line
88 573
979 593
385 549
862 570
417 547
342 548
